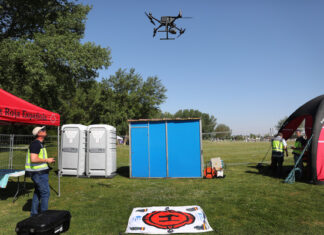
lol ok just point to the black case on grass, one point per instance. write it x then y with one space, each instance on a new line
48 222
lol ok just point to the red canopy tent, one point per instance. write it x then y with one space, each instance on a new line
17 110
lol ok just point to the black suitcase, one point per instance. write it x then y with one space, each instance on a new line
47 222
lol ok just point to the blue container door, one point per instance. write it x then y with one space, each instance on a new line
157 147
139 150
184 157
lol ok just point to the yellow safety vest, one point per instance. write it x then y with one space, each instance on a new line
298 145
33 166
277 147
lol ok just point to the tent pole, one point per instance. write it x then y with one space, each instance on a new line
58 161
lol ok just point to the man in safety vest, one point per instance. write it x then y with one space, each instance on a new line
279 146
297 150
37 167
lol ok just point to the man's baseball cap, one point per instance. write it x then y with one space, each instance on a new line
38 129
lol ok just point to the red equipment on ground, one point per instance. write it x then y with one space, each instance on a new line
209 171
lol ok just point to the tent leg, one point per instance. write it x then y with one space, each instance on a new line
58 161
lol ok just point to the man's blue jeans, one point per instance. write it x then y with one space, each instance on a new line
41 193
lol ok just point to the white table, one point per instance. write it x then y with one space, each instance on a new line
15 174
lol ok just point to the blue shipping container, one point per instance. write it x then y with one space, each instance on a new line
165 148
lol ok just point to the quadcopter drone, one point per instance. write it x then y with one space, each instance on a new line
168 22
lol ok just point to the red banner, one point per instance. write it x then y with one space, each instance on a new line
16 110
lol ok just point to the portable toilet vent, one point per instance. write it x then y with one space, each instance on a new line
101 157
73 149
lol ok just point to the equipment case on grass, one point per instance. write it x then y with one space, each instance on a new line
48 222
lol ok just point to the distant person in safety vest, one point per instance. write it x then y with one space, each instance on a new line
279 146
37 168
297 150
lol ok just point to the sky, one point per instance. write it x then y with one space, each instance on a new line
249 63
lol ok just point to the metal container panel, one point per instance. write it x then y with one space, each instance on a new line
157 150
184 153
139 150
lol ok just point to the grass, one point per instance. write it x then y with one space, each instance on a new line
244 202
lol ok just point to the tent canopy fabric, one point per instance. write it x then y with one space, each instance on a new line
313 114
308 112
16 110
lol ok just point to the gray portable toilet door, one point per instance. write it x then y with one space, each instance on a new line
97 151
70 148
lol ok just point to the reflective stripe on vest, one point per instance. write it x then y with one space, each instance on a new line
29 166
299 147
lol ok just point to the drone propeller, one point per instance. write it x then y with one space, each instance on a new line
181 31
149 15
180 14
154 32
183 17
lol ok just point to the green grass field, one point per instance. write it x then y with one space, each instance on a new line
244 202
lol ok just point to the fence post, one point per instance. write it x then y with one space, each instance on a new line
11 146
9 152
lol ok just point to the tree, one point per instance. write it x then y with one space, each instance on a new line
280 123
163 115
208 121
239 137
226 131
43 59
21 18
126 95
252 136
85 106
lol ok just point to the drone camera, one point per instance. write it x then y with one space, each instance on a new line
173 31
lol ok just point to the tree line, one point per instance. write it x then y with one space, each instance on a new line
210 128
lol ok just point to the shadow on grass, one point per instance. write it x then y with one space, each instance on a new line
266 170
27 206
123 171
104 185
11 189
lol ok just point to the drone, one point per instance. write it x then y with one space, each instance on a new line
168 22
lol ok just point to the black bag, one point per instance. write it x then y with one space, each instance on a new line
47 222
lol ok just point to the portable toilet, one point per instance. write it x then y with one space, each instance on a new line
165 148
101 156
73 149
